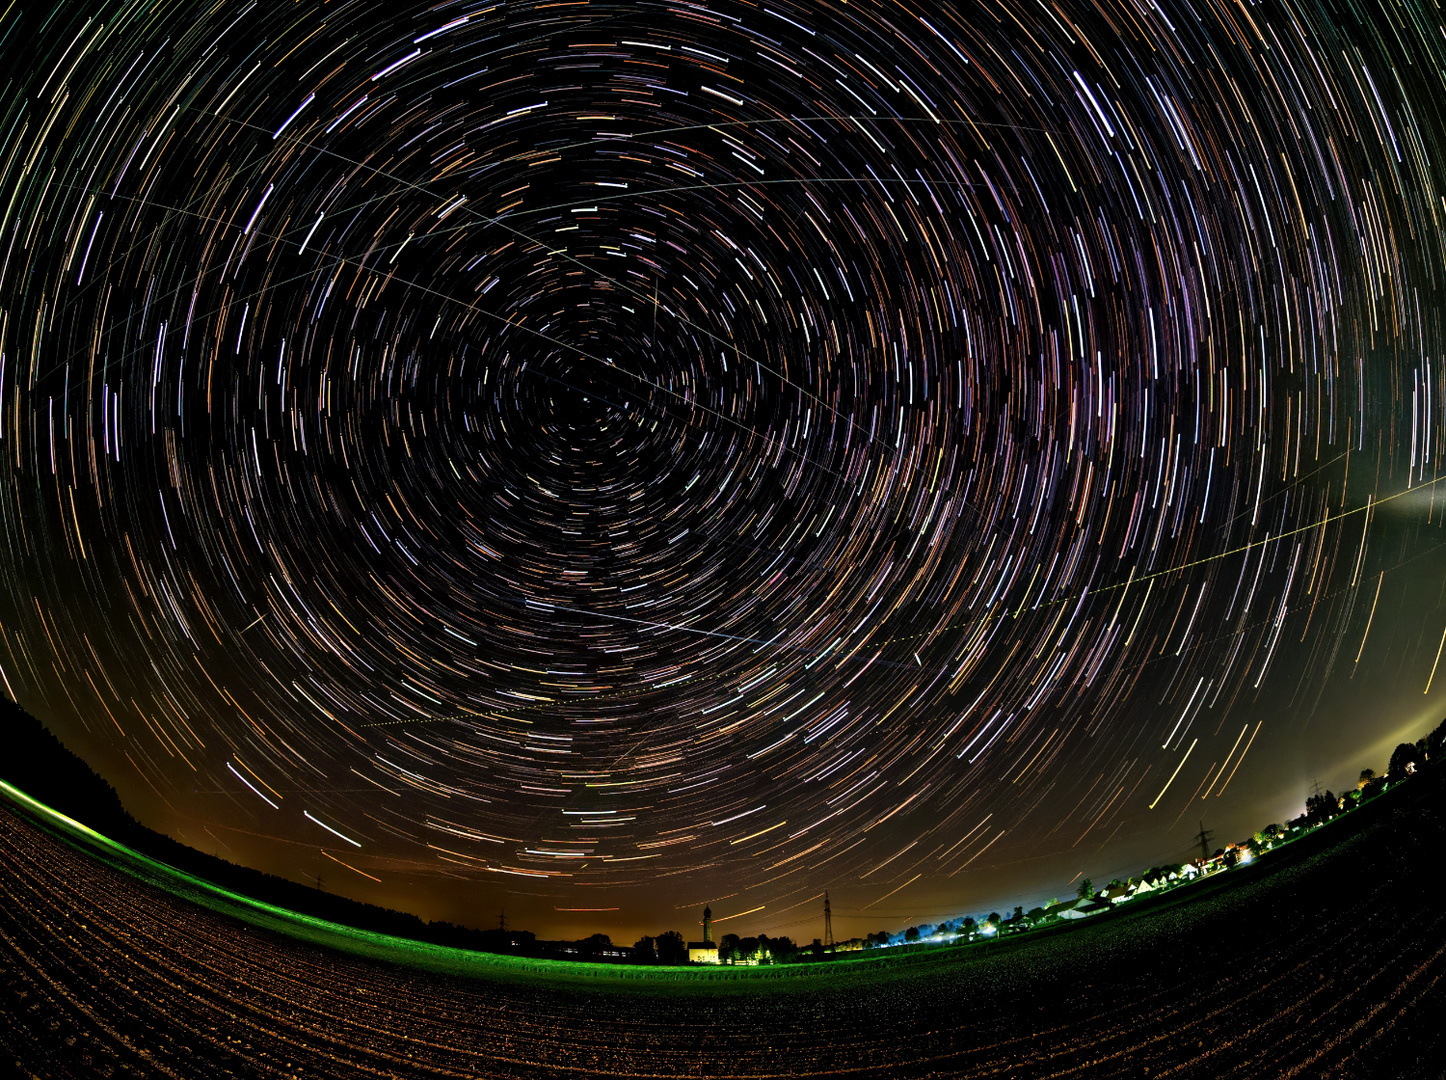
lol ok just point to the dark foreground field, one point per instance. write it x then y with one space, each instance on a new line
1325 959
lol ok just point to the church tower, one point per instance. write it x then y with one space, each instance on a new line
704 952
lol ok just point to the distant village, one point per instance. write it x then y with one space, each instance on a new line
671 948
38 764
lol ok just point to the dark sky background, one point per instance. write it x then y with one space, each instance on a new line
596 459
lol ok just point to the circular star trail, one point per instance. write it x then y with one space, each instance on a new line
643 453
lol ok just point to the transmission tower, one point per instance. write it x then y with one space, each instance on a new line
1203 838
827 922
502 920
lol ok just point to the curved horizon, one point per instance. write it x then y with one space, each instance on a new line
102 819
116 964
193 887
600 460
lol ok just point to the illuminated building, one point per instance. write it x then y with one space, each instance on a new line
705 951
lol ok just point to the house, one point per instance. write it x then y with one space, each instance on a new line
1077 909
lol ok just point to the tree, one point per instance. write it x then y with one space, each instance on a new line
645 951
1435 741
1321 808
671 948
1035 914
995 919
748 948
911 934
1086 889
1367 775
728 948
1018 917
1404 761
968 926
591 947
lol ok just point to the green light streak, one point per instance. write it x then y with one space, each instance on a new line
444 959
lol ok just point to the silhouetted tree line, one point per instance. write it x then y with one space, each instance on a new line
1321 806
37 763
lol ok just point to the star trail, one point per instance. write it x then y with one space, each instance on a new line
589 456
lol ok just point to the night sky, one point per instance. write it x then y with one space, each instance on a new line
598 458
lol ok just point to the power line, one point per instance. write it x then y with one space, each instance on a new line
1203 838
